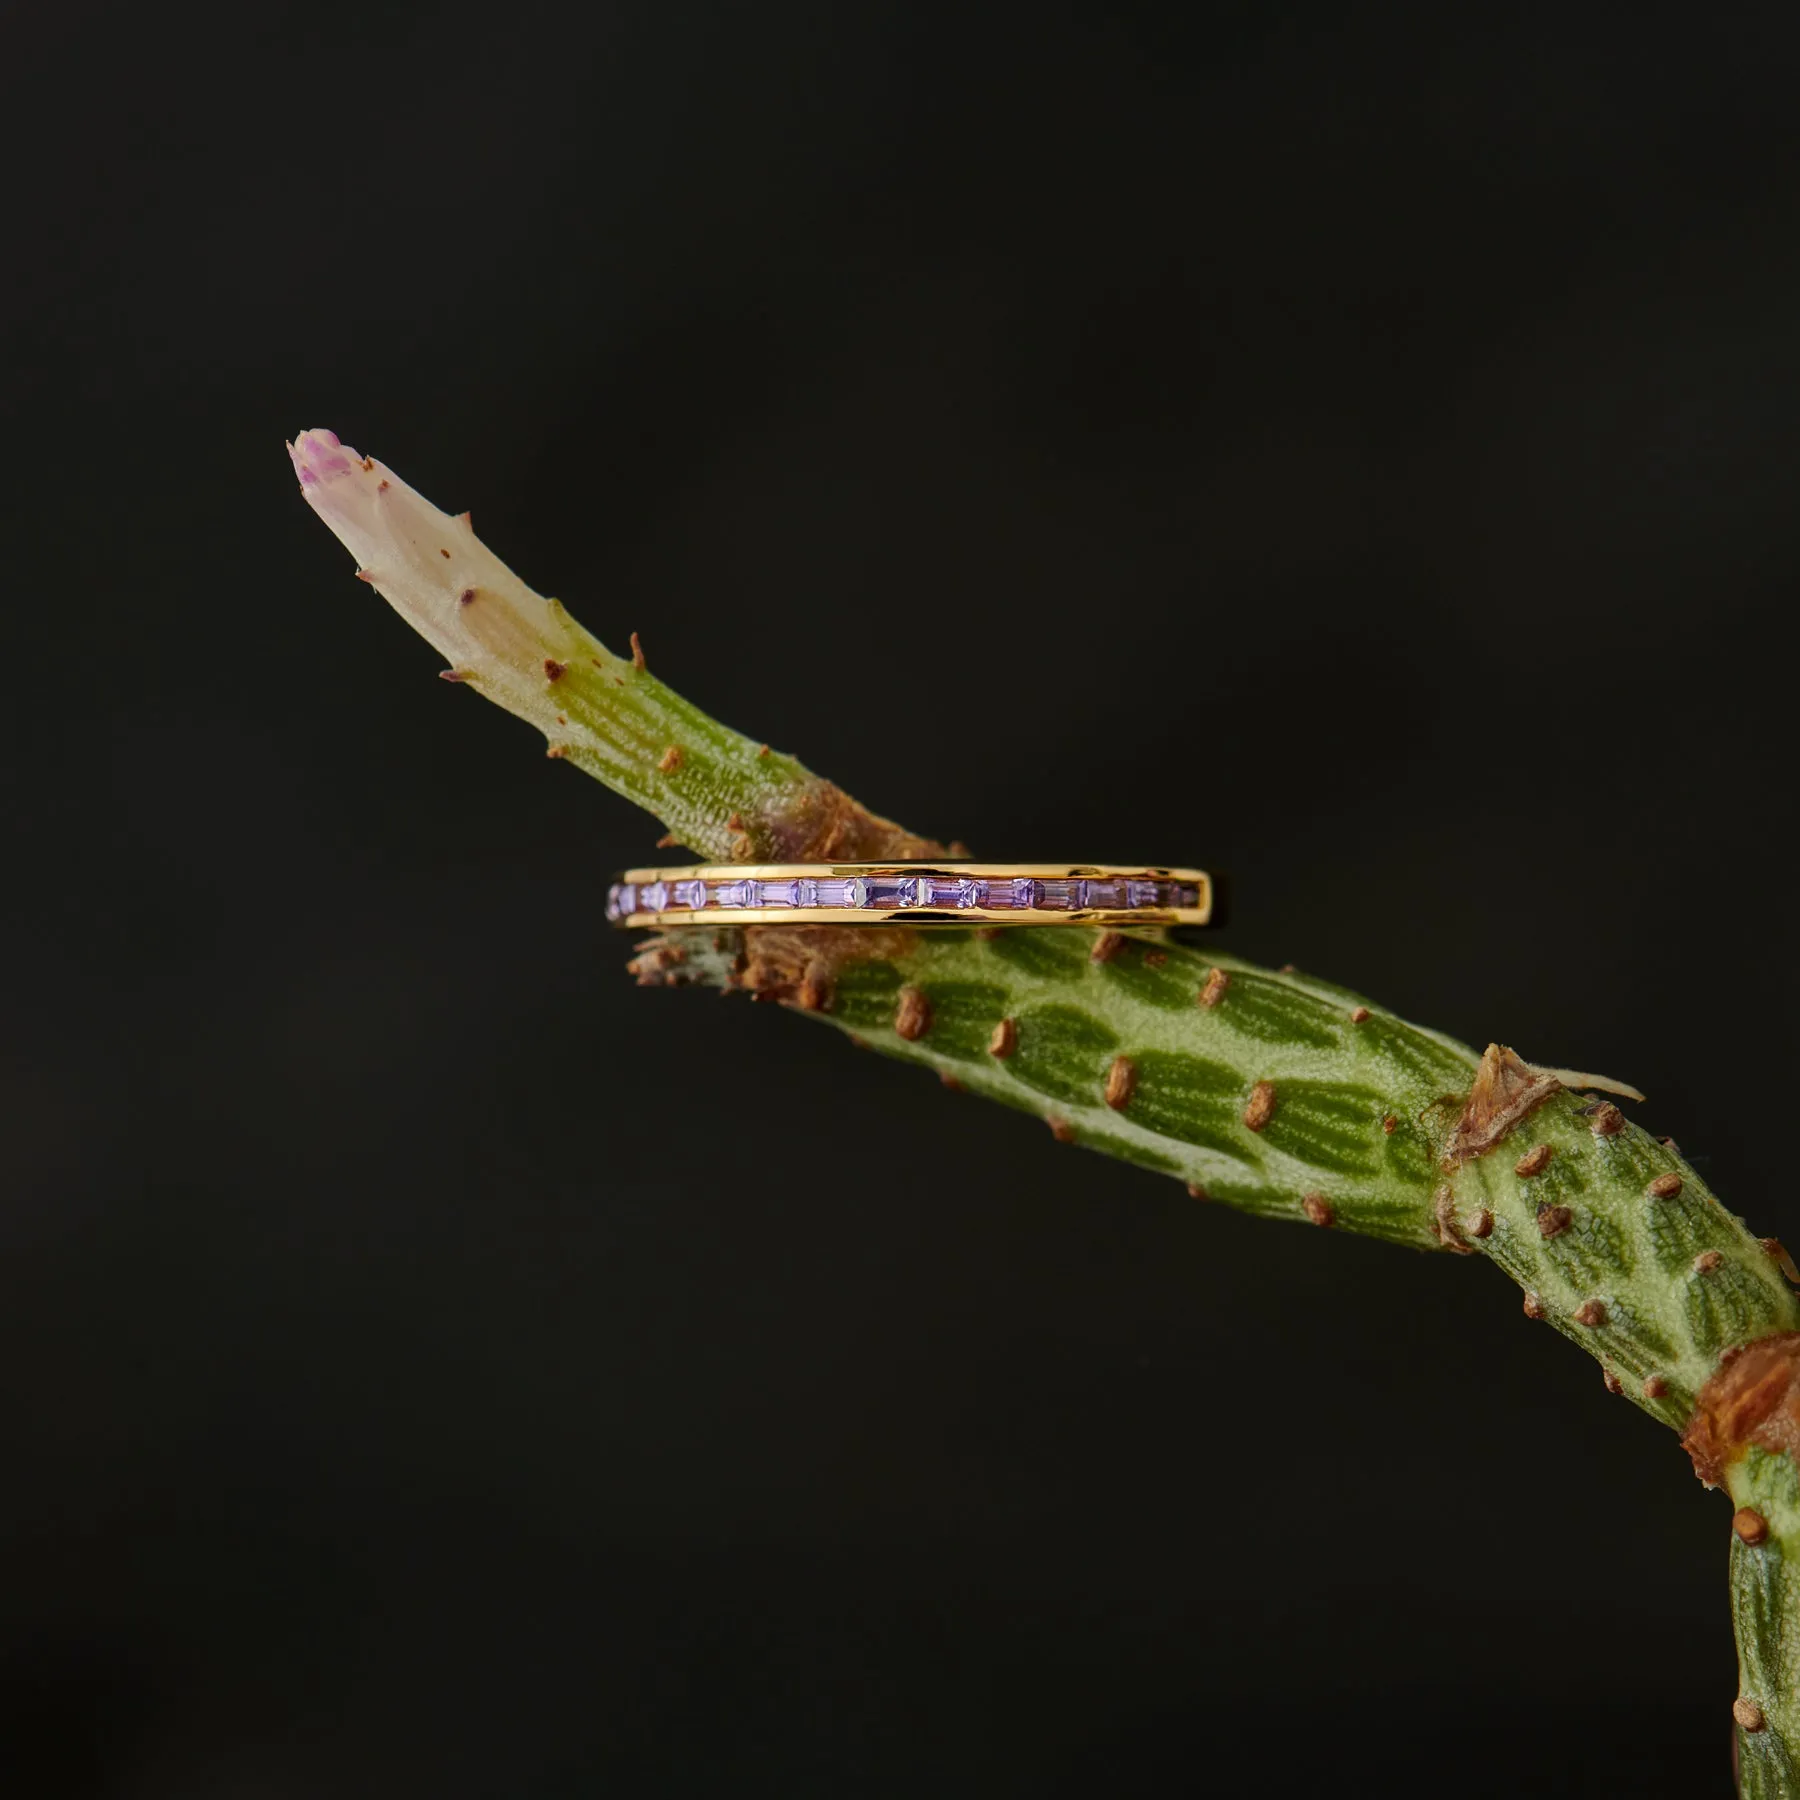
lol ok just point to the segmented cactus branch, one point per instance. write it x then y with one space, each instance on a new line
1273 1092
725 796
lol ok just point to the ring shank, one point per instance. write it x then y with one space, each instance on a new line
953 893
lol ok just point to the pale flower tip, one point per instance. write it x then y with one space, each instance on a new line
318 455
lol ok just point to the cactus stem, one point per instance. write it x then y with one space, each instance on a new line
1260 1108
1173 1059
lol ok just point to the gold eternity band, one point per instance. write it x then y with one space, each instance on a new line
911 893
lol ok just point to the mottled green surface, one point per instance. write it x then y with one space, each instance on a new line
1365 1106
1766 1614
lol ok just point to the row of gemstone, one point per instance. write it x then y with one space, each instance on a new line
893 892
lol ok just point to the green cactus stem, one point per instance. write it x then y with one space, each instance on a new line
1273 1092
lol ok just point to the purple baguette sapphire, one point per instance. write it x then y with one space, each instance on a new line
1018 895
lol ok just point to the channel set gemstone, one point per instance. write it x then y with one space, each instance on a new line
1018 895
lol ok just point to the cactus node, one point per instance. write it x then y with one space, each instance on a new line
1319 1210
1449 1231
1591 1313
1655 1386
1506 1089
1534 1307
1217 981
912 1017
670 760
1358 1014
1121 1079
637 655
1605 1120
1750 1525
1747 1713
1260 1108
1707 1261
1106 946
1005 1039
1553 1221
1783 1261
1664 1187
1533 1162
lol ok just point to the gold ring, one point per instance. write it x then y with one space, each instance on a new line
911 893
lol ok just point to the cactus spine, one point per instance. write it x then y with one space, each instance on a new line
1272 1092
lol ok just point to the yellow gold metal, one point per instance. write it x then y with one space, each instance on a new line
1199 914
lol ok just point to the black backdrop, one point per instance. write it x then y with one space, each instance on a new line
1357 456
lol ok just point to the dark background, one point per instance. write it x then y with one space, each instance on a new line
1360 457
